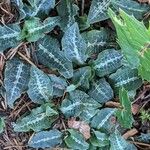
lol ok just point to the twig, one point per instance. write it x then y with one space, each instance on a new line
82 7
140 143
25 58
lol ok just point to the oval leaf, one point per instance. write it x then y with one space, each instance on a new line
16 80
46 139
40 86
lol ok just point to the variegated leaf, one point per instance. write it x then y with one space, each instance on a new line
81 77
117 142
33 29
76 103
101 91
127 78
51 56
9 36
67 10
16 80
131 7
46 139
76 140
98 10
39 8
59 85
107 62
74 45
40 86
102 119
40 118
95 40
99 139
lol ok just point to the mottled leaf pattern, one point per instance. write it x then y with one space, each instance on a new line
77 102
102 119
76 140
46 139
39 119
16 80
9 36
107 62
101 91
52 57
74 45
34 29
127 78
67 10
98 10
40 86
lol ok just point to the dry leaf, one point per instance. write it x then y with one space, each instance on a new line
130 133
81 126
135 109
144 1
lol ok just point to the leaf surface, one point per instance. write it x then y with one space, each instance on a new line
16 80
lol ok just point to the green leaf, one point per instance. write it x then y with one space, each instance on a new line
81 77
39 119
107 62
51 56
95 40
76 140
136 48
34 29
124 114
46 139
102 119
99 139
98 11
9 36
16 79
117 142
59 85
2 125
67 10
127 78
39 8
40 86
101 91
74 45
76 103
131 7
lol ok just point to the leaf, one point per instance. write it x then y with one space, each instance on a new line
51 56
144 137
102 118
39 119
2 125
9 36
101 91
98 11
76 103
16 80
40 86
107 62
81 77
76 141
131 7
33 29
81 126
135 48
59 85
117 142
39 8
46 139
95 40
124 115
127 78
74 45
19 4
99 139
67 10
